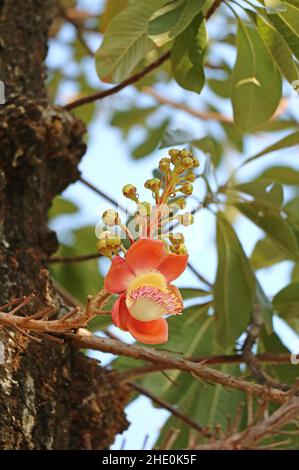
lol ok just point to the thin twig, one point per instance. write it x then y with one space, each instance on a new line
102 194
204 115
185 419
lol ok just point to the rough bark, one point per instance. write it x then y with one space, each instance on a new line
51 397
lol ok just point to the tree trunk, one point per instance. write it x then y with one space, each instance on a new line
51 396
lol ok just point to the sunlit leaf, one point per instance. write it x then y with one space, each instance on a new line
172 20
283 174
272 224
256 82
286 301
188 54
126 41
234 289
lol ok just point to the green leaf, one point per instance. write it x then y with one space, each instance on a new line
190 293
290 140
279 49
283 174
274 6
175 137
273 224
112 8
80 279
291 208
134 116
286 301
211 147
187 56
234 288
295 273
62 206
265 191
126 42
265 254
207 404
265 306
152 141
172 20
287 24
256 82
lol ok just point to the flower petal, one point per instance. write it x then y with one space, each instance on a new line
175 291
173 266
118 277
150 332
145 255
120 313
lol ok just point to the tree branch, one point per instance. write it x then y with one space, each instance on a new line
134 78
185 419
258 432
170 362
205 115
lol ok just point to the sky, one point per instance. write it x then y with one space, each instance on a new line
108 165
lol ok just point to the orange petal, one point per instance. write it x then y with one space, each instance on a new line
145 255
149 332
118 277
173 266
120 313
177 293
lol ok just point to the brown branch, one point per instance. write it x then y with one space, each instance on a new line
258 432
74 319
205 115
134 78
101 193
185 419
72 259
111 91
266 358
170 362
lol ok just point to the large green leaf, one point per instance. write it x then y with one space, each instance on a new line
287 24
279 49
286 301
291 208
188 54
256 82
283 174
206 404
290 140
172 20
234 288
263 191
126 41
266 253
273 224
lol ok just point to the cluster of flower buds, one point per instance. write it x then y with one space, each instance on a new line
108 244
169 192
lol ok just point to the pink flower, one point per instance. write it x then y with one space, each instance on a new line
142 280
